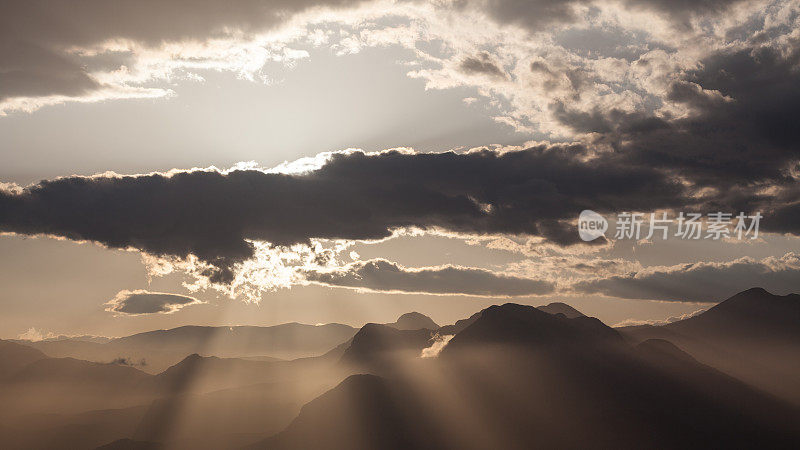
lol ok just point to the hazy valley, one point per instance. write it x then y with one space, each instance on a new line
510 376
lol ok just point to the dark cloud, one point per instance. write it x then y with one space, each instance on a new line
354 196
30 70
702 281
740 138
35 35
483 63
751 136
386 276
144 302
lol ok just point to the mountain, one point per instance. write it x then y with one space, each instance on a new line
521 325
459 325
68 385
552 308
207 373
512 377
375 342
228 418
369 415
414 321
79 338
662 350
74 431
753 336
75 371
520 378
154 351
561 308
290 340
14 357
751 313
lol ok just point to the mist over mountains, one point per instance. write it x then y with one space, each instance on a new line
154 351
510 376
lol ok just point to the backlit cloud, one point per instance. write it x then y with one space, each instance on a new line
215 215
145 302
385 276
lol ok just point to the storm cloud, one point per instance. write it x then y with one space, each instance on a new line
144 302
385 276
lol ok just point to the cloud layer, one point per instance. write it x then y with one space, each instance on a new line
701 281
385 276
212 214
46 45
218 216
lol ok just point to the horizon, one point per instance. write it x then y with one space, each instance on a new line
26 336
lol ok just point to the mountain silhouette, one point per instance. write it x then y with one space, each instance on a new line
370 414
561 308
414 321
753 336
459 325
521 378
552 308
752 313
374 343
511 377
513 324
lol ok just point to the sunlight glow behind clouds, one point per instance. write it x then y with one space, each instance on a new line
542 70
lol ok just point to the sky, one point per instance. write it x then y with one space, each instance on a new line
188 162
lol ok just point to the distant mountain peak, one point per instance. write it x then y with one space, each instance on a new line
756 289
525 325
758 300
374 341
561 308
414 321
753 312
